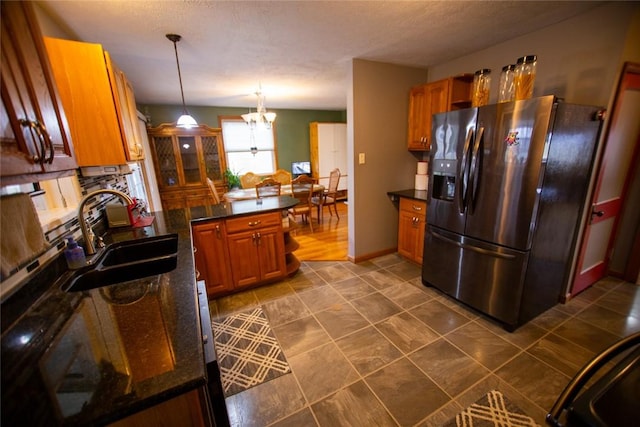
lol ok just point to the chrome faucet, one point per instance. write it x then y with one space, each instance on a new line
87 233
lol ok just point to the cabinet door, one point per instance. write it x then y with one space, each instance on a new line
125 105
82 76
270 244
244 259
35 135
214 160
212 261
411 229
418 121
437 102
165 161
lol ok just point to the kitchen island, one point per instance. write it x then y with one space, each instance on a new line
96 357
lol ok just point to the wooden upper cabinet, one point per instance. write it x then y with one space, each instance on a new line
34 133
98 101
433 98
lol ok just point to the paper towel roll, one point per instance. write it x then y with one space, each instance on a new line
422 168
420 182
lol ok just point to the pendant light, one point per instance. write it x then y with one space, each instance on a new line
185 120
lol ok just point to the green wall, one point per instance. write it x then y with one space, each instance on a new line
292 126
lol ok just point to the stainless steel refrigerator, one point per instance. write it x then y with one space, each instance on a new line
507 188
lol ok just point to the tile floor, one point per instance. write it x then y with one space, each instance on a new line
369 345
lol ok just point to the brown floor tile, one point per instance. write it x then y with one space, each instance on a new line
376 307
341 319
406 295
439 317
448 347
407 332
612 321
561 354
354 287
303 418
382 279
352 406
405 270
284 310
265 403
406 392
321 298
387 260
334 273
586 335
449 367
368 350
300 335
534 379
483 345
322 371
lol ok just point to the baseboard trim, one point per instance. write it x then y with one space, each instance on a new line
371 255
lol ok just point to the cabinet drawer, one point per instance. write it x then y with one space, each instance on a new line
416 207
253 222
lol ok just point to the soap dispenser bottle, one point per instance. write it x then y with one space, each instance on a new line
74 254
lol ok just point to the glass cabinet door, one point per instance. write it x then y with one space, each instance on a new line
166 161
212 157
189 157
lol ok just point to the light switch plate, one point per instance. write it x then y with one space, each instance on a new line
361 158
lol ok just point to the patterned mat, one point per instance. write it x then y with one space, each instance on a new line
248 352
492 410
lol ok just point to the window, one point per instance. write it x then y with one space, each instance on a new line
239 138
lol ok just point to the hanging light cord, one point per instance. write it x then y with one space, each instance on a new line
175 38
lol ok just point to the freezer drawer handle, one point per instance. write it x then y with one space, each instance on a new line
472 248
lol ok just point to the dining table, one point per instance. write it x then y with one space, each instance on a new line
250 193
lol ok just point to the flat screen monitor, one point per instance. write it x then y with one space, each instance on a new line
300 168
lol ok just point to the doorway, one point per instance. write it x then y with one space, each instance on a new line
613 222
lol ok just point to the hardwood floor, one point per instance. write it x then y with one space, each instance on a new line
328 241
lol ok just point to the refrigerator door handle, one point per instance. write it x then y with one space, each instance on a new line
464 173
474 171
471 248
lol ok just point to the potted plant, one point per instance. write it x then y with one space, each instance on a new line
232 178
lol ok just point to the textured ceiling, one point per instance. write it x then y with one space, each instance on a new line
299 51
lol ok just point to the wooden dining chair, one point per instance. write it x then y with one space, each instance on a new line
282 176
214 191
249 180
302 189
268 187
329 196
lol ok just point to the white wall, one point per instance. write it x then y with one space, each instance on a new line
377 111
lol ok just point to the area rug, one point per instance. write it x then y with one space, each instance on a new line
492 410
247 350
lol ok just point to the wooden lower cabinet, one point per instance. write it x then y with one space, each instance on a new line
411 227
188 410
212 261
237 253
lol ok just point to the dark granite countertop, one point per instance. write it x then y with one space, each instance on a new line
409 194
95 356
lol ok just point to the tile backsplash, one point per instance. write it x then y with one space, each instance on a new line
55 234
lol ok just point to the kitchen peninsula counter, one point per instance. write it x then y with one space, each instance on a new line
96 356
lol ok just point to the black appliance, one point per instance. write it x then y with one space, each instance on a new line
507 188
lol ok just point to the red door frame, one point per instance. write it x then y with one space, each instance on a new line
630 80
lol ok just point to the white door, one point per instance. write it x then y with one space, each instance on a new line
613 180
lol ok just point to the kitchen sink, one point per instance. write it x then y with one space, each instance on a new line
128 260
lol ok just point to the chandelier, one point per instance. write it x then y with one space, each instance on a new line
260 116
185 120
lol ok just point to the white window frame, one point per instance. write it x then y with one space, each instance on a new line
238 139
